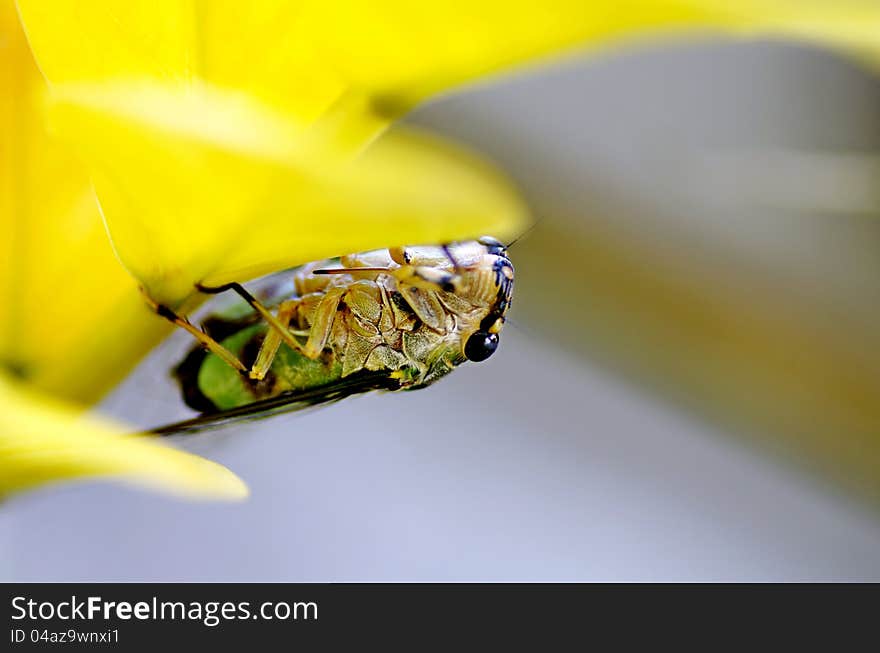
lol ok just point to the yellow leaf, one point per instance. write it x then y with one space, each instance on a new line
44 440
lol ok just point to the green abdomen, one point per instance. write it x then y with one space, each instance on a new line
226 388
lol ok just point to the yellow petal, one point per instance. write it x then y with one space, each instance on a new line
370 60
851 26
399 53
407 188
79 41
43 440
71 319
198 184
253 47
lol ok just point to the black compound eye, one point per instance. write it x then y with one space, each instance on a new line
480 346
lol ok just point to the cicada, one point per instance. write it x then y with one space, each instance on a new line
392 319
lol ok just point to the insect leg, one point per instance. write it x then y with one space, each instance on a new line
322 321
206 341
272 341
426 278
424 274
264 312
418 284
321 324
399 255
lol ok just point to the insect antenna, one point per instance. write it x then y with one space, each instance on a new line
519 326
349 270
525 233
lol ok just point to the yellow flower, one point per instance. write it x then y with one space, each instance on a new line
71 316
226 140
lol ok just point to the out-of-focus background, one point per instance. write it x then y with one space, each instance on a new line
690 389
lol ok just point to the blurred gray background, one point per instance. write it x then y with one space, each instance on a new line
687 392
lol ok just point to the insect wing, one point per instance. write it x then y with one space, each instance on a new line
287 402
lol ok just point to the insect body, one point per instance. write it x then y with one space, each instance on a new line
396 319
